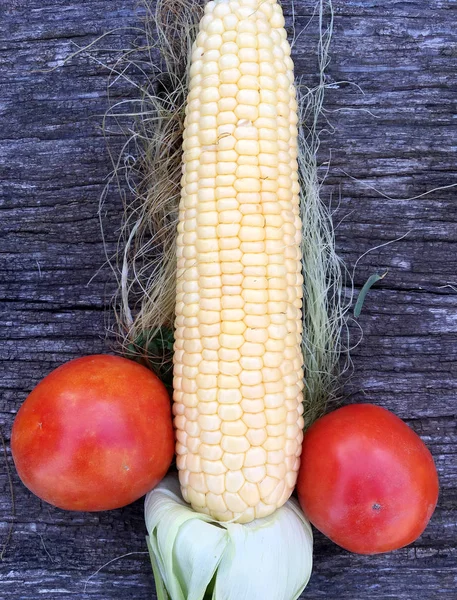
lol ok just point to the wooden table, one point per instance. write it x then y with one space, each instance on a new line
391 102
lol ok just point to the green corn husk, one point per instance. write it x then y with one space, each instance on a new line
195 558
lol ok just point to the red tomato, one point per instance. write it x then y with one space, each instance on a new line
366 480
95 434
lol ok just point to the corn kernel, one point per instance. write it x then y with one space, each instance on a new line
238 376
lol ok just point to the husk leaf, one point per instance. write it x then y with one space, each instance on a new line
197 557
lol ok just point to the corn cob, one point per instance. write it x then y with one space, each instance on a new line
238 367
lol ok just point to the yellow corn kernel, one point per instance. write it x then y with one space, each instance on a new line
238 364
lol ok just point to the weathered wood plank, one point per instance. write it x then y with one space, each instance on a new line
53 167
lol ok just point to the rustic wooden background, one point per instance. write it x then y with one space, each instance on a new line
397 133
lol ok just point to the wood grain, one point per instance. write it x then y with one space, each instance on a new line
391 106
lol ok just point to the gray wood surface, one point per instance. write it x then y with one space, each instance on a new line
398 135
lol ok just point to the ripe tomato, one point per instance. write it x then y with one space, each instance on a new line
366 480
95 434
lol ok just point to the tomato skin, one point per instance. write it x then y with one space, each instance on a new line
366 480
95 434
